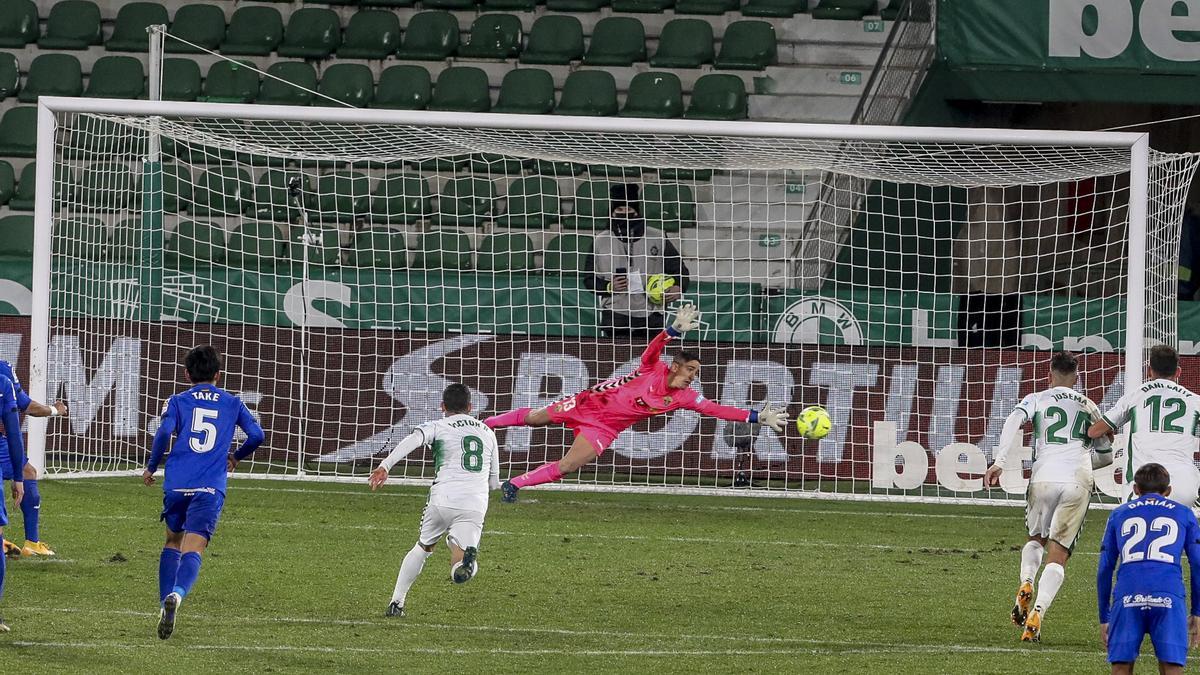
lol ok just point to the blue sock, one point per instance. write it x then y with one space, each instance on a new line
168 567
31 509
189 569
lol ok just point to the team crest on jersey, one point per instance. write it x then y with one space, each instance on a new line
667 401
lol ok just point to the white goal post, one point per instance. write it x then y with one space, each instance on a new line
912 280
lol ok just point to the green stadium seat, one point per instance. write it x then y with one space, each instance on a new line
271 200
532 201
401 198
718 97
429 36
526 90
892 10
18 23
26 190
52 75
673 173
325 250
747 45
567 254
125 243
18 132
588 92
616 41
10 75
844 10
654 94
371 34
441 164
381 248
442 249
253 31
705 6
221 191
510 252
459 5
774 8
461 89
297 77
341 197
201 25
668 206
520 5
642 6
72 24
257 245
81 239
8 181
684 43
546 167
181 80
591 207
493 36
17 233
403 88
177 187
129 31
616 172
347 82
116 77
465 201
388 3
231 82
196 243
495 165
554 39
580 6
312 33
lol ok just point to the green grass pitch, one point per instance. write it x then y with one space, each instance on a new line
299 574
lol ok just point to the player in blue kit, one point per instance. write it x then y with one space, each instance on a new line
1149 535
202 420
31 505
16 455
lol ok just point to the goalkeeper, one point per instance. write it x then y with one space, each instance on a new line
635 270
597 415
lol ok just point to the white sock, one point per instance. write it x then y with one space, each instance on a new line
414 562
1048 585
1031 560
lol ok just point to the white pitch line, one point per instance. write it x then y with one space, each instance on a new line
868 646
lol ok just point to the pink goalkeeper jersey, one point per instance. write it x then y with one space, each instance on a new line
621 402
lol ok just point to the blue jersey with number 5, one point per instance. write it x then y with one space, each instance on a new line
1148 536
203 420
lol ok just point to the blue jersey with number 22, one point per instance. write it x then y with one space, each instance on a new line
203 420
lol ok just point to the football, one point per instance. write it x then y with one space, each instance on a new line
813 422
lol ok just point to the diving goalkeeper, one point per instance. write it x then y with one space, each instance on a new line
598 414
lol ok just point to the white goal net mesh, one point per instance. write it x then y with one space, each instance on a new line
914 290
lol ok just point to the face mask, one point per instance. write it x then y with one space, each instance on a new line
628 227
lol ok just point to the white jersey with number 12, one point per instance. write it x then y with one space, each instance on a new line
1163 418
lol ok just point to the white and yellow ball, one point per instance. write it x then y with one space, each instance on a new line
813 422
656 287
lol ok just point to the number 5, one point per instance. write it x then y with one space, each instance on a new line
201 425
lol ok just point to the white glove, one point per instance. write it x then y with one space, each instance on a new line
773 417
685 318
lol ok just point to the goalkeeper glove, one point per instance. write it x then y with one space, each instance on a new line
773 417
686 318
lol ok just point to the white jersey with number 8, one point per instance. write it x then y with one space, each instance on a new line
466 457
1061 449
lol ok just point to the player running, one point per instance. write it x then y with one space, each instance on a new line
1164 418
31 505
597 415
202 420
462 449
16 456
1148 535
1060 484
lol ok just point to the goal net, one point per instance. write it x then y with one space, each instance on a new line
914 282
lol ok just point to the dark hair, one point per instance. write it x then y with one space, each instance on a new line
686 355
202 363
456 398
1164 360
1064 363
1152 479
625 194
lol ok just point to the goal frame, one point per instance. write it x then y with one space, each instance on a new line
1137 144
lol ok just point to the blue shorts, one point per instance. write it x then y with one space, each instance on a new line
3 509
1162 616
195 511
